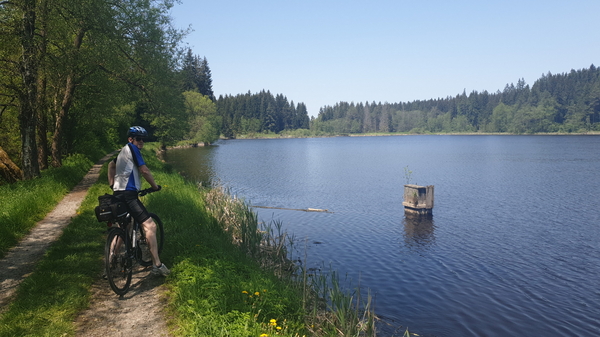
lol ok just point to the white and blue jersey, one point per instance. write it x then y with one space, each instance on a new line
127 176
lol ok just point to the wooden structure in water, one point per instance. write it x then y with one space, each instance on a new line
418 200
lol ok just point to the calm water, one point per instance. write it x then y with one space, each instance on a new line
513 248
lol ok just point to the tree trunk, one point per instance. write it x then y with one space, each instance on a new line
27 115
42 100
8 170
43 137
70 85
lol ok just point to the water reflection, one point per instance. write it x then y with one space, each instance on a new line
419 231
195 164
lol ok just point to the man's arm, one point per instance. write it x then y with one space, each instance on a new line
112 170
145 171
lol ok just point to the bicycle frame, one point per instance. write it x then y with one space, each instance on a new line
125 247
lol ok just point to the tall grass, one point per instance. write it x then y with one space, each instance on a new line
26 202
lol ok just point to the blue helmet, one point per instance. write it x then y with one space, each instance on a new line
137 131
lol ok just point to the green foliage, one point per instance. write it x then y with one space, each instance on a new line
565 102
204 123
196 75
90 59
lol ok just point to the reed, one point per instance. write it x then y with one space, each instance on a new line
329 308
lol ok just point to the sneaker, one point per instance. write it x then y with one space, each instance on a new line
162 270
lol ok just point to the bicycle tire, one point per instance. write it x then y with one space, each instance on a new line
118 262
142 252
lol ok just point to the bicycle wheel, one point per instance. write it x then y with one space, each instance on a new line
118 262
143 249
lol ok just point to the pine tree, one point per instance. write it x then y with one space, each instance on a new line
189 72
204 78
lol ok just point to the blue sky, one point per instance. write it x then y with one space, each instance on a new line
327 51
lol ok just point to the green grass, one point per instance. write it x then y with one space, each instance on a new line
48 301
228 279
26 202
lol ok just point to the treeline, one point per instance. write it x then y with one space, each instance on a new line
260 113
568 102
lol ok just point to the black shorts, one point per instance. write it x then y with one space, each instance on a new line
136 208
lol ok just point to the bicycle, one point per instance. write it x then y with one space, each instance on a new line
125 245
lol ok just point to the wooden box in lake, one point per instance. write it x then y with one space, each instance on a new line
418 199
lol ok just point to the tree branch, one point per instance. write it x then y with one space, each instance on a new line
126 80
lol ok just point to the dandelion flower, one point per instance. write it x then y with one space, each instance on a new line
278 328
244 292
264 335
257 293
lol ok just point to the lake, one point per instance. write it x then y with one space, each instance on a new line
512 248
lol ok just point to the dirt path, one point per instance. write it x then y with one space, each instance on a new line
138 313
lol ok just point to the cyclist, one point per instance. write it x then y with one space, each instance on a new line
124 178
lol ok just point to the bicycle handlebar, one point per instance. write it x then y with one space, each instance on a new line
149 190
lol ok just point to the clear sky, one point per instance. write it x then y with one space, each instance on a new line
326 51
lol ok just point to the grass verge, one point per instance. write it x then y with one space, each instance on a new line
26 202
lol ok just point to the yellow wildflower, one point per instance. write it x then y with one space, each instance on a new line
257 293
244 292
278 328
264 335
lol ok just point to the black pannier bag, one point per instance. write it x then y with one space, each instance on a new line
110 208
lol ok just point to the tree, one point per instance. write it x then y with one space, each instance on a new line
205 79
202 116
196 75
19 62
302 120
189 72
501 117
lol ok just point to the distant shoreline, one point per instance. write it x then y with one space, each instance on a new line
277 136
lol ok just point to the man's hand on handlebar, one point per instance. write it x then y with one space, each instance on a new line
149 190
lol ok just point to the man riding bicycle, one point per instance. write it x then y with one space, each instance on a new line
124 178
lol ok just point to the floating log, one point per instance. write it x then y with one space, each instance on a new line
418 199
296 209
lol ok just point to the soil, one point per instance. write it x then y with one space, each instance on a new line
139 313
